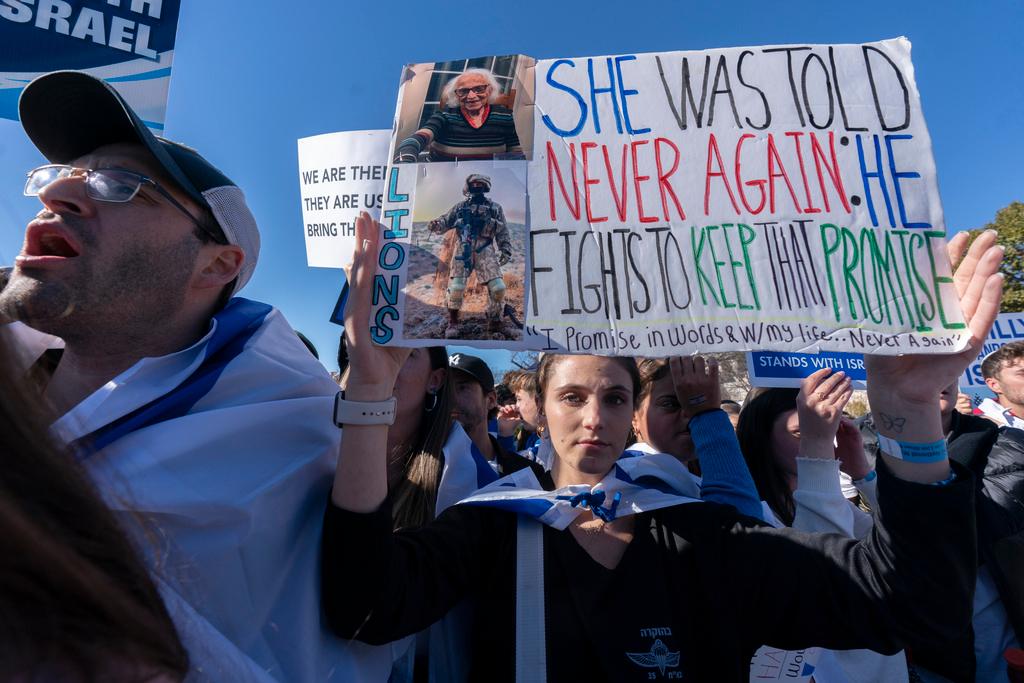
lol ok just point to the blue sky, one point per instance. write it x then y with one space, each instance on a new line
252 76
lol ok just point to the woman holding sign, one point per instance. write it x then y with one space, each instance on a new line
613 570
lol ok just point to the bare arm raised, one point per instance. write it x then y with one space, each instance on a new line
904 390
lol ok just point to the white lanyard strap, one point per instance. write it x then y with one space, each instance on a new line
531 652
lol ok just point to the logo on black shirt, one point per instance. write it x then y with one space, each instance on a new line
659 657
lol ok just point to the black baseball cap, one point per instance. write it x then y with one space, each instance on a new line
474 367
68 114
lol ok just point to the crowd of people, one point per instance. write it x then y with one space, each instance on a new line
189 496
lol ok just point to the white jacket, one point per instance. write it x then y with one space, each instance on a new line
226 450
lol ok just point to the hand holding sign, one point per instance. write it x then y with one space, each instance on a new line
904 390
979 286
820 405
373 368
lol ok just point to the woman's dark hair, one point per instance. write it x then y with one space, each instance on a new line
549 360
651 370
415 497
76 602
757 420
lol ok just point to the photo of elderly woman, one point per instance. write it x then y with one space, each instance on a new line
470 109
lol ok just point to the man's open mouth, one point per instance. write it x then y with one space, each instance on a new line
42 240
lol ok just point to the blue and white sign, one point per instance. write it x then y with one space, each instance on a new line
773 369
780 369
128 43
1009 327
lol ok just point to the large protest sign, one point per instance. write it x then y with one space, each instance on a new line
128 43
779 198
340 174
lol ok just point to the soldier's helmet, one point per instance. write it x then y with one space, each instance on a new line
476 178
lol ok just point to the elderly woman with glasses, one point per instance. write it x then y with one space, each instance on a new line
469 126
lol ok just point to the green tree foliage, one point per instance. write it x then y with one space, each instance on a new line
1009 223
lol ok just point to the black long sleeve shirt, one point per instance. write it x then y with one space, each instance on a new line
708 583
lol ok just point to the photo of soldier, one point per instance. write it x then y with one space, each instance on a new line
467 261
463 110
481 244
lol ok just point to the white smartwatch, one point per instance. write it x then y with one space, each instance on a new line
363 412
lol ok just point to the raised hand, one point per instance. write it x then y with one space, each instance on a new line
696 384
904 390
820 403
372 368
508 420
979 285
850 450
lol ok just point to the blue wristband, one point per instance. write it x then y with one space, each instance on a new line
947 481
934 451
870 476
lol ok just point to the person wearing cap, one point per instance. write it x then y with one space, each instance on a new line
474 395
481 245
201 416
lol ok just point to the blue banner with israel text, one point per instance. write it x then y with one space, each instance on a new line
780 369
128 43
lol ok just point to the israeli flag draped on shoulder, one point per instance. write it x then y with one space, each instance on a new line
540 451
637 483
465 469
999 414
228 449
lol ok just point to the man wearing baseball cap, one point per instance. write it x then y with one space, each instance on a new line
474 395
198 412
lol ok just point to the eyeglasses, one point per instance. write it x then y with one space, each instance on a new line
114 185
476 90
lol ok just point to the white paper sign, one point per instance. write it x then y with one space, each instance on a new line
765 198
340 174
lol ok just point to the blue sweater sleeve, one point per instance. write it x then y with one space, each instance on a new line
725 477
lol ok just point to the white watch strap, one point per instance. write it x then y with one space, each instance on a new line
363 412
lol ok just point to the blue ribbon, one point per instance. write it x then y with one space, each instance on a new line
593 501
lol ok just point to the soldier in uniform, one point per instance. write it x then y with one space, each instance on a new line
482 244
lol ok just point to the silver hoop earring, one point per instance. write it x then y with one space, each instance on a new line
433 402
